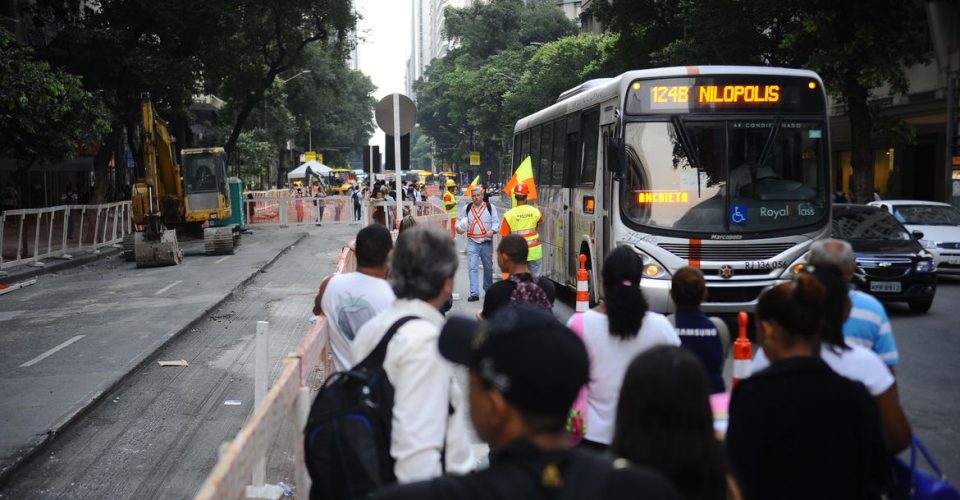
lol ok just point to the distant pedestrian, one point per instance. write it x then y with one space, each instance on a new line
521 287
428 424
664 422
298 203
868 324
704 336
70 197
615 332
525 369
320 202
357 198
479 221
350 300
798 430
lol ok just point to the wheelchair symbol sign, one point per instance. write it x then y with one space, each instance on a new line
738 214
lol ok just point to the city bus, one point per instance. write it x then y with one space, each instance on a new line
723 168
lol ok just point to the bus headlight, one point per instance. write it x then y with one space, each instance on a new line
654 271
795 269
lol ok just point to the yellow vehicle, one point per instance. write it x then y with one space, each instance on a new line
339 181
170 196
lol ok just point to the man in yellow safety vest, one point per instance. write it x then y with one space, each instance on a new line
523 220
450 205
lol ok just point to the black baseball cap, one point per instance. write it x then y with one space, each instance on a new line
523 352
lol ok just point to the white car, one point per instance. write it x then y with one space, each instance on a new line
939 223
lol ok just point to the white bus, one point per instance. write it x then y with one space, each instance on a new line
723 168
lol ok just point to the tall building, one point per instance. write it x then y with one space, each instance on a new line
428 42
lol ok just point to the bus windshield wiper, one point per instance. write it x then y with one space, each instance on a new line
768 145
688 147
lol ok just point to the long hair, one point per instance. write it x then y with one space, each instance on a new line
626 306
664 422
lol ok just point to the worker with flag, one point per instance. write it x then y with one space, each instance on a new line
524 220
450 205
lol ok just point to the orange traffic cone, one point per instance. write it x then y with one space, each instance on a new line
742 351
583 286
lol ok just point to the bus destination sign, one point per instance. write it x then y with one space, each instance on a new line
724 93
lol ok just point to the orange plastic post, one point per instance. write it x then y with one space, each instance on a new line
742 351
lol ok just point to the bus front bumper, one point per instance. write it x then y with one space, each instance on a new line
723 297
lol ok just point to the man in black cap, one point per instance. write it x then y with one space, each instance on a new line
525 371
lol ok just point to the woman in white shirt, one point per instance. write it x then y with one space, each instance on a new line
614 333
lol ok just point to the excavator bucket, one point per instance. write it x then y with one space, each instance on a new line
153 253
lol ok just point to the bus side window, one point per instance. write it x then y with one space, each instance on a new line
590 131
559 138
546 154
524 146
535 146
516 150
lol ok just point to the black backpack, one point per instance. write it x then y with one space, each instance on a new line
347 437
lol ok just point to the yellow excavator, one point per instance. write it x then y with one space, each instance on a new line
169 196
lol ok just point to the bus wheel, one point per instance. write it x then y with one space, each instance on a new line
588 265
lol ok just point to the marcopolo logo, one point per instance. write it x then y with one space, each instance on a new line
775 213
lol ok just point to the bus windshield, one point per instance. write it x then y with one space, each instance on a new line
761 174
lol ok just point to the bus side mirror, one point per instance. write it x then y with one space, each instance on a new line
615 156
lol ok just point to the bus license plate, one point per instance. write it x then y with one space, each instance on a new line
885 286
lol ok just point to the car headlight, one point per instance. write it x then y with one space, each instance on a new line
930 243
926 266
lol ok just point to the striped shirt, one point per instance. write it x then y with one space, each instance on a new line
869 327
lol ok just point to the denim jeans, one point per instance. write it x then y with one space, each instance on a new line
477 252
535 266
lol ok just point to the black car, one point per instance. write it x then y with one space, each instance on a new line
891 263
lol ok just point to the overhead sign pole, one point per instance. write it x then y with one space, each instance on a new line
396 115
397 157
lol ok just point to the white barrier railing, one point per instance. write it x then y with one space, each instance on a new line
29 235
291 211
244 468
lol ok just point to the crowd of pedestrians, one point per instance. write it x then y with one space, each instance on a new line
819 417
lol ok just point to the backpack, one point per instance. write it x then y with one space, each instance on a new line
347 437
528 292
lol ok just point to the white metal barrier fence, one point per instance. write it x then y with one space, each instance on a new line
29 235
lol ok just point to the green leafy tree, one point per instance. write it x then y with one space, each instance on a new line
262 40
45 114
461 99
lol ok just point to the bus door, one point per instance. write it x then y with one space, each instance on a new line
583 201
571 167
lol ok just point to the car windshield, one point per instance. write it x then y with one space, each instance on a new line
867 225
734 176
927 215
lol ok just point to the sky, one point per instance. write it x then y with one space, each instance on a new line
384 46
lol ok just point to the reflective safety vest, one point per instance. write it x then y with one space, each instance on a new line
450 204
523 220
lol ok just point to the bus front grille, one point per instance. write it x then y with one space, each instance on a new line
726 253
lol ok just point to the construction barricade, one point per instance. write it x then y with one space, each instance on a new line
27 236
266 459
279 207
